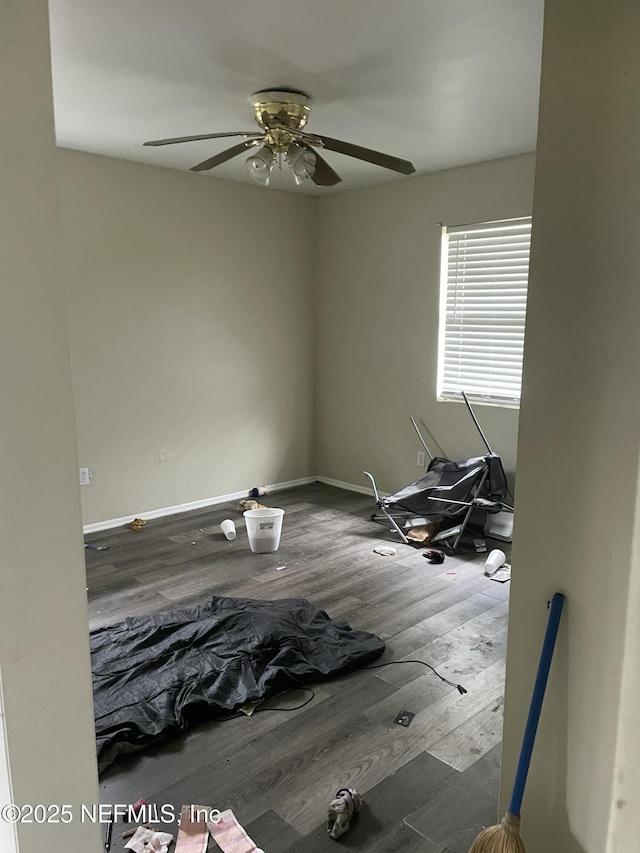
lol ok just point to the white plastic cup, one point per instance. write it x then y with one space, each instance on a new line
228 528
494 560
264 527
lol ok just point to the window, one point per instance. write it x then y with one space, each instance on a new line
485 270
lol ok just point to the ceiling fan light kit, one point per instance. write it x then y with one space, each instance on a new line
302 162
260 164
282 114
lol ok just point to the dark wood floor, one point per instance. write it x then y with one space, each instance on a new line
429 787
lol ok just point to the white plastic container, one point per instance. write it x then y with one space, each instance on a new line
494 560
264 527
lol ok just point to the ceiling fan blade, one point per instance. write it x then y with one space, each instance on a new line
223 156
324 175
376 157
203 136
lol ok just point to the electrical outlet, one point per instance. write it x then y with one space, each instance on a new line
421 459
84 477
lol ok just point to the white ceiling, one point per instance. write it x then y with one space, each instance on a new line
442 83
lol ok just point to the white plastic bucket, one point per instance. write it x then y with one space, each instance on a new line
264 527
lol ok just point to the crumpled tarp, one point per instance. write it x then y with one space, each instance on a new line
154 676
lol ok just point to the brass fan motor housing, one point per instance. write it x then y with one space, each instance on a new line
277 110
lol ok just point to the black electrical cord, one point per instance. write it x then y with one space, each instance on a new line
458 687
238 715
257 710
295 707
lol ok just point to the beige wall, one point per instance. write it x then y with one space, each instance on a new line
191 333
193 325
576 528
377 304
44 651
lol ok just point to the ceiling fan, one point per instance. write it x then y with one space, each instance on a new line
282 114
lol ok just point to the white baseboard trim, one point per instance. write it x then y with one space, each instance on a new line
350 487
110 523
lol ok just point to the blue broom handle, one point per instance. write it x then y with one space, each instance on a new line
536 703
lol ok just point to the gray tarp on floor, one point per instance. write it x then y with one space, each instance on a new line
154 676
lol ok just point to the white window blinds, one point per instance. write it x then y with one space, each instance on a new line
485 271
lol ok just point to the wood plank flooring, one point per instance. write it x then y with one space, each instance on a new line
429 787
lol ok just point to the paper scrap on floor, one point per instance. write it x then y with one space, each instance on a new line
503 574
149 841
230 836
422 534
192 837
385 550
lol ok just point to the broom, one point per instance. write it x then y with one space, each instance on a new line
505 838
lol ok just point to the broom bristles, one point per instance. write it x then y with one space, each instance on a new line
503 838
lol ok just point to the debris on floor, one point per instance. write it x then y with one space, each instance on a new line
434 556
135 810
249 707
137 524
229 835
193 833
228 529
495 559
503 574
245 505
385 550
404 719
149 841
341 809
422 534
133 831
91 546
109 831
